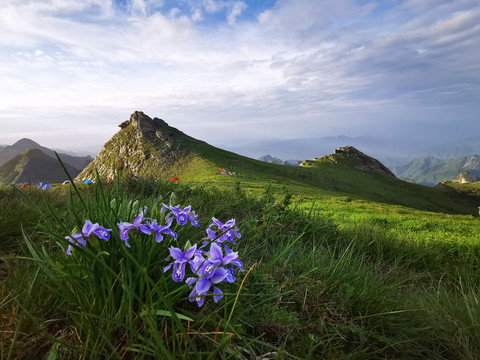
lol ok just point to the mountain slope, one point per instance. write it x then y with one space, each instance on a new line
430 170
149 148
33 166
146 147
9 152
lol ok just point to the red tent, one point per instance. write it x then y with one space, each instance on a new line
175 179
24 186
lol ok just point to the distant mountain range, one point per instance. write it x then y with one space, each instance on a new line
410 160
274 160
391 152
33 166
309 148
9 152
28 162
416 161
429 170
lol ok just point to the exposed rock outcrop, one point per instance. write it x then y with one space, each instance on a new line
465 178
143 147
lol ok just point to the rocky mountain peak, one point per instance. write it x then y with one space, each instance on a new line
144 123
144 146
362 161
148 127
350 156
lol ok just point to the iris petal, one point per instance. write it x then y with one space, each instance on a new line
218 294
203 285
219 275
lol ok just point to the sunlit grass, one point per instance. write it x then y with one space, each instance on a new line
331 277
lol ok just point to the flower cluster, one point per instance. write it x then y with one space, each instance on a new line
209 268
227 231
140 224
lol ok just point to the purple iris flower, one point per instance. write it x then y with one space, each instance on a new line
211 272
162 229
215 256
228 231
181 259
182 215
80 239
194 219
199 297
235 261
125 227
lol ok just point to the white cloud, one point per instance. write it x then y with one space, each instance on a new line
315 62
236 9
197 15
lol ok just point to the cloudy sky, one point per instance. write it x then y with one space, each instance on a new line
230 71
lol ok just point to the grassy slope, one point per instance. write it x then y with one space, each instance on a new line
195 161
366 279
322 179
372 276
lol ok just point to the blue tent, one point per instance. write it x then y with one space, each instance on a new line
44 186
88 182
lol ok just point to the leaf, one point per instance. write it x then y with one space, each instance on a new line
53 355
167 314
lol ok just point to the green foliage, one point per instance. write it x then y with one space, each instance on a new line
334 275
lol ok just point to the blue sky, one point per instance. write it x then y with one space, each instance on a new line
231 71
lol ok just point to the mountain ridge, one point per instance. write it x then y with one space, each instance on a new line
32 166
150 148
430 170
10 151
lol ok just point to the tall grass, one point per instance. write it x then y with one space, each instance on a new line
329 281
118 301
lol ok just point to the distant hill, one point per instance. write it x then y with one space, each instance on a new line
350 157
32 166
308 148
430 171
9 152
396 154
274 160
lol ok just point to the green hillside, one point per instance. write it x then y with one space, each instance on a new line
149 148
32 166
